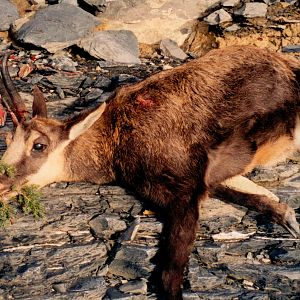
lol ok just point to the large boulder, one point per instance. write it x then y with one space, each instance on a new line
120 46
152 21
8 14
57 27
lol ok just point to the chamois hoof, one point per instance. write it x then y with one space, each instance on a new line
290 223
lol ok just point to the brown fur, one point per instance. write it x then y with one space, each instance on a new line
176 136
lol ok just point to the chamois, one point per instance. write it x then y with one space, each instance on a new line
174 138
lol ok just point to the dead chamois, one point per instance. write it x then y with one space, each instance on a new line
174 138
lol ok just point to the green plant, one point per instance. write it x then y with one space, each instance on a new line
6 213
7 170
29 202
29 199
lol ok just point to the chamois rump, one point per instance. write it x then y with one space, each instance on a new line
174 138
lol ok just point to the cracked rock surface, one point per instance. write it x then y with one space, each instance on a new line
99 241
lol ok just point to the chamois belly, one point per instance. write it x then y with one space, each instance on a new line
272 152
277 150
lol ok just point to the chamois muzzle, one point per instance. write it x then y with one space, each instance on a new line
6 188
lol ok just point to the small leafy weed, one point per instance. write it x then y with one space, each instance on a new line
7 170
29 201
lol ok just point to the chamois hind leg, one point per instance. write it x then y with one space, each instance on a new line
245 185
281 213
180 231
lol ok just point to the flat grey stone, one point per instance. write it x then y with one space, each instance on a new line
136 253
102 82
133 261
252 10
73 2
171 49
60 287
134 287
232 28
200 279
218 17
230 3
291 48
93 94
115 294
269 2
106 225
119 46
221 294
284 255
63 63
89 283
57 27
8 14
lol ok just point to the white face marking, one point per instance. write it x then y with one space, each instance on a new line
53 169
16 149
297 134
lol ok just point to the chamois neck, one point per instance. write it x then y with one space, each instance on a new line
89 157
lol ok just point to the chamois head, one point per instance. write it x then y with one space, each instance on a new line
36 147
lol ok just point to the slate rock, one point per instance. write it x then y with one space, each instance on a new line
107 225
124 79
269 2
134 286
119 46
63 63
133 261
73 2
89 283
200 278
291 48
233 27
93 94
171 49
115 294
230 3
87 83
252 10
60 287
57 27
8 14
218 17
287 256
102 82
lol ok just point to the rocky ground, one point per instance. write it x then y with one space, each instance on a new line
100 242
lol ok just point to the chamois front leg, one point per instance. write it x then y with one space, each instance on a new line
180 229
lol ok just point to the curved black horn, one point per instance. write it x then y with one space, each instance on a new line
19 107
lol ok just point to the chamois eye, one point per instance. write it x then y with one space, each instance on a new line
38 147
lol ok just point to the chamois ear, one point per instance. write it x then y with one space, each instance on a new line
39 107
84 121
